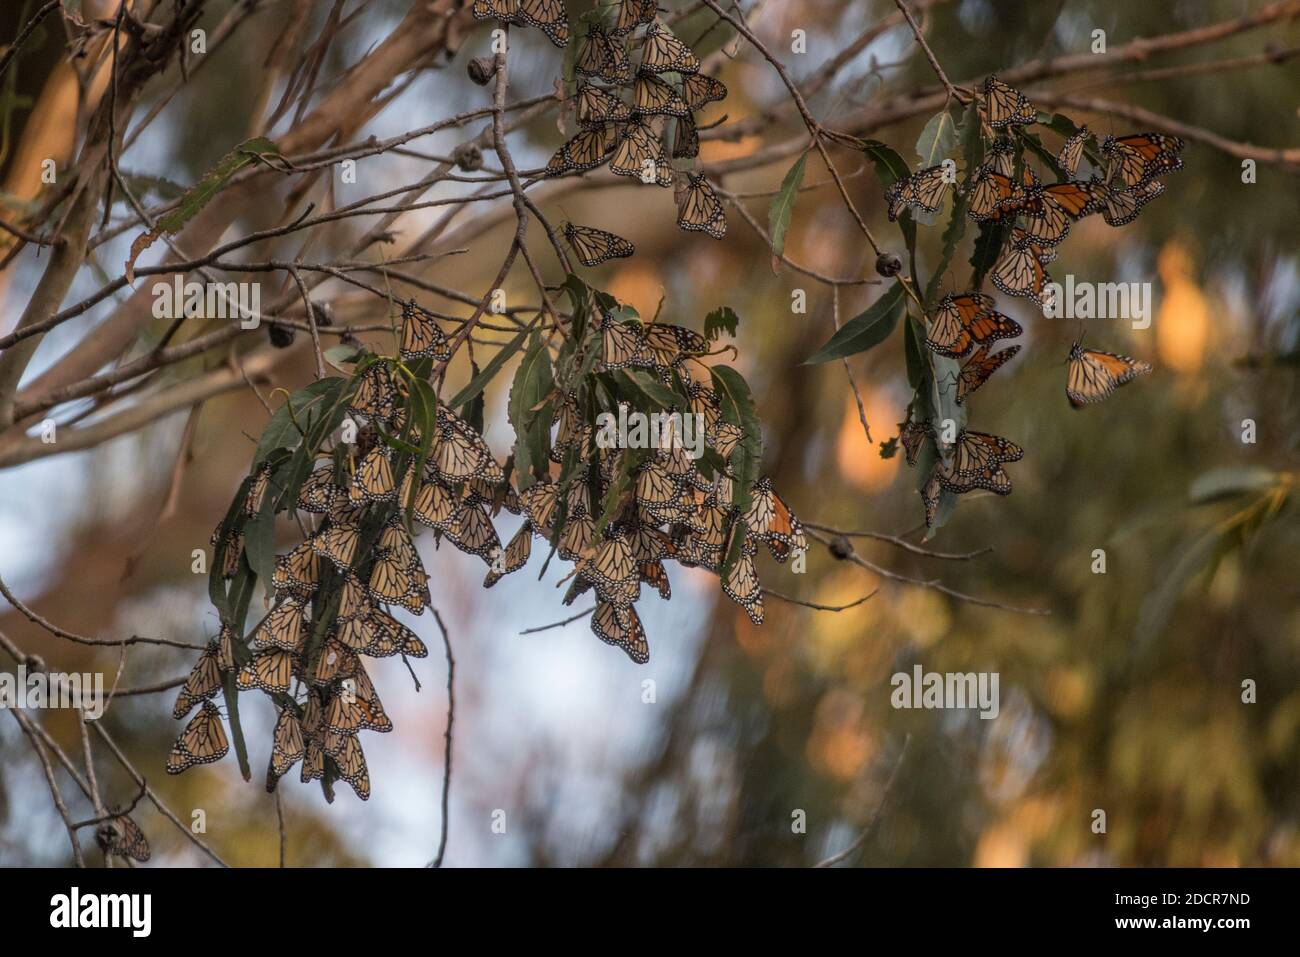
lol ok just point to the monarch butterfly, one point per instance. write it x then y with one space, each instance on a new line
930 495
513 558
693 551
1006 106
230 546
991 477
1121 207
421 336
603 56
974 452
459 452
923 189
313 762
226 649
595 246
298 570
589 149
621 627
257 491
122 836
705 402
576 537
633 13
912 435
390 580
549 16
505 10
1019 272
654 486
741 586
993 195
664 53
318 491
670 345
433 505
595 106
640 154
699 90
1072 151
977 369
965 320
613 569
651 96
686 138
395 541
1140 157
771 521
1093 375
287 747
337 541
373 479
351 761
1049 210
374 394
725 437
471 531
202 742
203 682
1001 156
356 707
334 659
622 345
391 637
698 208
654 574
540 501
283 627
269 670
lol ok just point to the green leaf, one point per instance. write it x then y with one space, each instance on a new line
1230 482
299 410
914 351
483 377
423 407
737 407
200 194
259 536
720 320
660 396
937 139
865 330
988 246
778 216
471 410
972 155
1035 145
236 730
889 165
341 353
532 383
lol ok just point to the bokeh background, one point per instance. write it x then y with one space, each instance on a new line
1127 697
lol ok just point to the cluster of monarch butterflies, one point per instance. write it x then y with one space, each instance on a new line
1005 190
665 84
671 511
333 594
